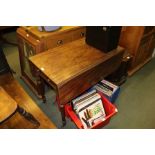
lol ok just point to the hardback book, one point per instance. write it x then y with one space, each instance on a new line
92 113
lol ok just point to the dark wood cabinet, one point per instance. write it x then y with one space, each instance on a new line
31 42
140 42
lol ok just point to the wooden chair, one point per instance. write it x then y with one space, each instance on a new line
8 107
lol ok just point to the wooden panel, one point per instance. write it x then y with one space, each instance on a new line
139 66
13 88
64 37
152 45
58 39
137 40
33 30
79 33
130 38
7 105
28 38
145 50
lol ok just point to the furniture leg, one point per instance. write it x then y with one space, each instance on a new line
62 110
28 116
41 88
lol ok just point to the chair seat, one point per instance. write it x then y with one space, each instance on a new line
7 105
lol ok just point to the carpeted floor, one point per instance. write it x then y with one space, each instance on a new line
136 102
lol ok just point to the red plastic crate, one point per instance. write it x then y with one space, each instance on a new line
110 111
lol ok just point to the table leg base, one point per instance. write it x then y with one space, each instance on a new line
63 124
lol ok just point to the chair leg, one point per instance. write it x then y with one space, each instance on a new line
28 116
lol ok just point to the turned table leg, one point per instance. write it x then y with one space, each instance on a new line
63 117
41 87
62 110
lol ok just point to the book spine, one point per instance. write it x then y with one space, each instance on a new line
106 86
103 90
109 84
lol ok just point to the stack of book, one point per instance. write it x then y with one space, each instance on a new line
110 90
89 108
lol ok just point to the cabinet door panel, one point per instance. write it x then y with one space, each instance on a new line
27 48
143 51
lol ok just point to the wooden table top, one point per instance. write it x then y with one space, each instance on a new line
66 62
7 105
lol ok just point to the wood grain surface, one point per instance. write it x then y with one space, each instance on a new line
33 30
64 63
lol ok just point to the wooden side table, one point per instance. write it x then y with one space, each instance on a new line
73 68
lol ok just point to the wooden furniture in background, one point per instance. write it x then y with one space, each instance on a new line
9 107
140 43
17 93
73 68
31 42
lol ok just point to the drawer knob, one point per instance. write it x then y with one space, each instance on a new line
60 42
